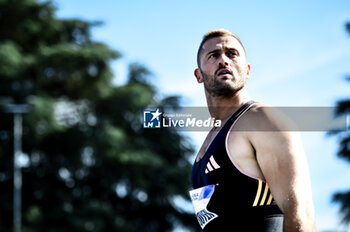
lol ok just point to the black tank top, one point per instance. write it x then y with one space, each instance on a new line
231 199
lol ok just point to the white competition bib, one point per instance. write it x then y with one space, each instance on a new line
200 198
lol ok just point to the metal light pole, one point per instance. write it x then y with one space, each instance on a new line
17 110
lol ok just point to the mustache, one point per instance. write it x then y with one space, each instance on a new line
223 68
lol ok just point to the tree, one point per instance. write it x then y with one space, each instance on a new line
92 166
343 109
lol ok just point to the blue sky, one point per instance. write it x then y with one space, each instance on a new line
299 52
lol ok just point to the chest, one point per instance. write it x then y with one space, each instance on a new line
206 144
224 157
211 162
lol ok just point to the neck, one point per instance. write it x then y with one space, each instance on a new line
221 108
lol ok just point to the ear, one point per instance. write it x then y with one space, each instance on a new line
198 75
248 71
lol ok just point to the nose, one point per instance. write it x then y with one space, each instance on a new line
223 60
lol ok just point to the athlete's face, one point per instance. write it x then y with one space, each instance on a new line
223 66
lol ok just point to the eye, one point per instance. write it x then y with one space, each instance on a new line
213 56
232 53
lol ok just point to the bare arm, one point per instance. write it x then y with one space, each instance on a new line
283 163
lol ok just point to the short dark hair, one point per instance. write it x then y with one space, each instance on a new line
213 34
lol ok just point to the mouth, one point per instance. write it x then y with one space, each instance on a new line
224 71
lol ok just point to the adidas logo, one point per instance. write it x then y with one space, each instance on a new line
211 165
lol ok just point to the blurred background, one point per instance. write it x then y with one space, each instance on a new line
75 77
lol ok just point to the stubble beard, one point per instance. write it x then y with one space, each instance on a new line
217 88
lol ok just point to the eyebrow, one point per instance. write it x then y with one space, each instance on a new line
225 48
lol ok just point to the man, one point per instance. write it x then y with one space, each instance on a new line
251 174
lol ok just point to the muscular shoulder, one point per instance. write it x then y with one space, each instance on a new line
261 117
270 131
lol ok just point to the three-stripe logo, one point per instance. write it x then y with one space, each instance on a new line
265 198
211 165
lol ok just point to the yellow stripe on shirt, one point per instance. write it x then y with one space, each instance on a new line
257 194
270 199
265 194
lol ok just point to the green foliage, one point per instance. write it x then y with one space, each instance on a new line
13 62
92 165
343 198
